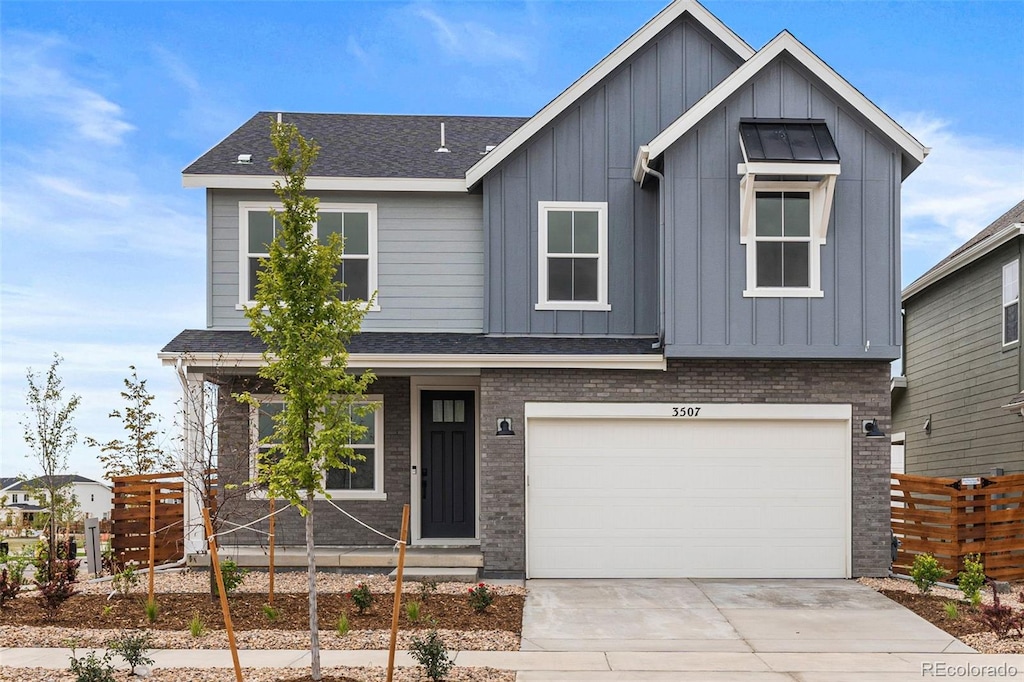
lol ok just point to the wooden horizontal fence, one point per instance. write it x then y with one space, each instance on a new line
130 527
950 520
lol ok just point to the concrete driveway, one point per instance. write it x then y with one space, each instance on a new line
793 616
727 629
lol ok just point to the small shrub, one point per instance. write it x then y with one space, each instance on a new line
972 578
432 654
10 586
53 593
91 668
999 618
232 575
412 611
271 612
480 597
926 571
428 587
125 580
952 612
152 610
133 647
362 597
107 610
196 627
341 627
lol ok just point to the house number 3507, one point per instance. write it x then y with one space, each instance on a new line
685 411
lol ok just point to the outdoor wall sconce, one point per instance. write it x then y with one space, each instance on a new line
928 424
505 427
871 429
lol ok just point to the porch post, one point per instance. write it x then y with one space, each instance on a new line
193 457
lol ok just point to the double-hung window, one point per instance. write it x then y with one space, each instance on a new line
784 213
367 479
356 224
1011 303
572 256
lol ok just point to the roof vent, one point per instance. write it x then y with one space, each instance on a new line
442 148
488 149
244 158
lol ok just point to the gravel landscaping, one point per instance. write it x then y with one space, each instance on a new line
965 626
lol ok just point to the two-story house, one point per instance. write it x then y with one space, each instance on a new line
637 334
958 406
21 500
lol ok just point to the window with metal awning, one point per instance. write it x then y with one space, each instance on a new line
787 184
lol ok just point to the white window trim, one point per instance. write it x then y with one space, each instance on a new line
245 207
821 200
378 492
601 207
1012 268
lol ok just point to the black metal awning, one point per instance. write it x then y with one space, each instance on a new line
787 140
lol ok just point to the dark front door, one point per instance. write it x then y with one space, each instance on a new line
448 464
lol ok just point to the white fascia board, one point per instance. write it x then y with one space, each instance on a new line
642 155
438 361
322 183
785 42
788 168
966 258
591 78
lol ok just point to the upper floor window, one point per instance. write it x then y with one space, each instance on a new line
783 221
14 498
356 224
572 272
1011 302
365 482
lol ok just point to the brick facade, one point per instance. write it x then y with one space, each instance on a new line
864 385
332 528
503 392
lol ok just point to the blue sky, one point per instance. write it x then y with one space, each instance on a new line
102 104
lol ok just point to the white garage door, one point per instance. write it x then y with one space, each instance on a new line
729 497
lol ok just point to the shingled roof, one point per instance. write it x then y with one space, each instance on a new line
364 145
1014 215
231 341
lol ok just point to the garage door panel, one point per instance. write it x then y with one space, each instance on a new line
650 498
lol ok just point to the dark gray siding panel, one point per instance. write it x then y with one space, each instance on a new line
587 154
960 375
430 259
708 316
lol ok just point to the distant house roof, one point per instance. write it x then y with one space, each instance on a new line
358 146
8 481
61 479
1004 228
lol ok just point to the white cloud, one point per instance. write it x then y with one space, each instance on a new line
356 50
473 41
32 81
964 184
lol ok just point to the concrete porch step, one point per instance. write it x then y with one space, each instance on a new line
348 558
438 573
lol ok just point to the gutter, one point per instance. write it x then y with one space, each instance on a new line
643 160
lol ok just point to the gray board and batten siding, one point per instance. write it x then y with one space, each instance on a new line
960 375
430 259
707 314
587 154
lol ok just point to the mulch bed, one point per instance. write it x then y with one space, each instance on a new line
932 609
247 612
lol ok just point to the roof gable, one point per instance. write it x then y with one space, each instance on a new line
596 74
785 43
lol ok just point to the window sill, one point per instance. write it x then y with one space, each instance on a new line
783 293
245 306
1012 345
571 305
339 495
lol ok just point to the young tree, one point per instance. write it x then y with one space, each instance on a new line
306 328
140 452
50 434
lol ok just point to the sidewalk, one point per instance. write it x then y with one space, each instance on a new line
599 666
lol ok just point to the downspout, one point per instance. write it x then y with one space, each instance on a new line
661 247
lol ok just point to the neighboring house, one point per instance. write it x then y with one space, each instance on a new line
635 335
94 499
958 407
